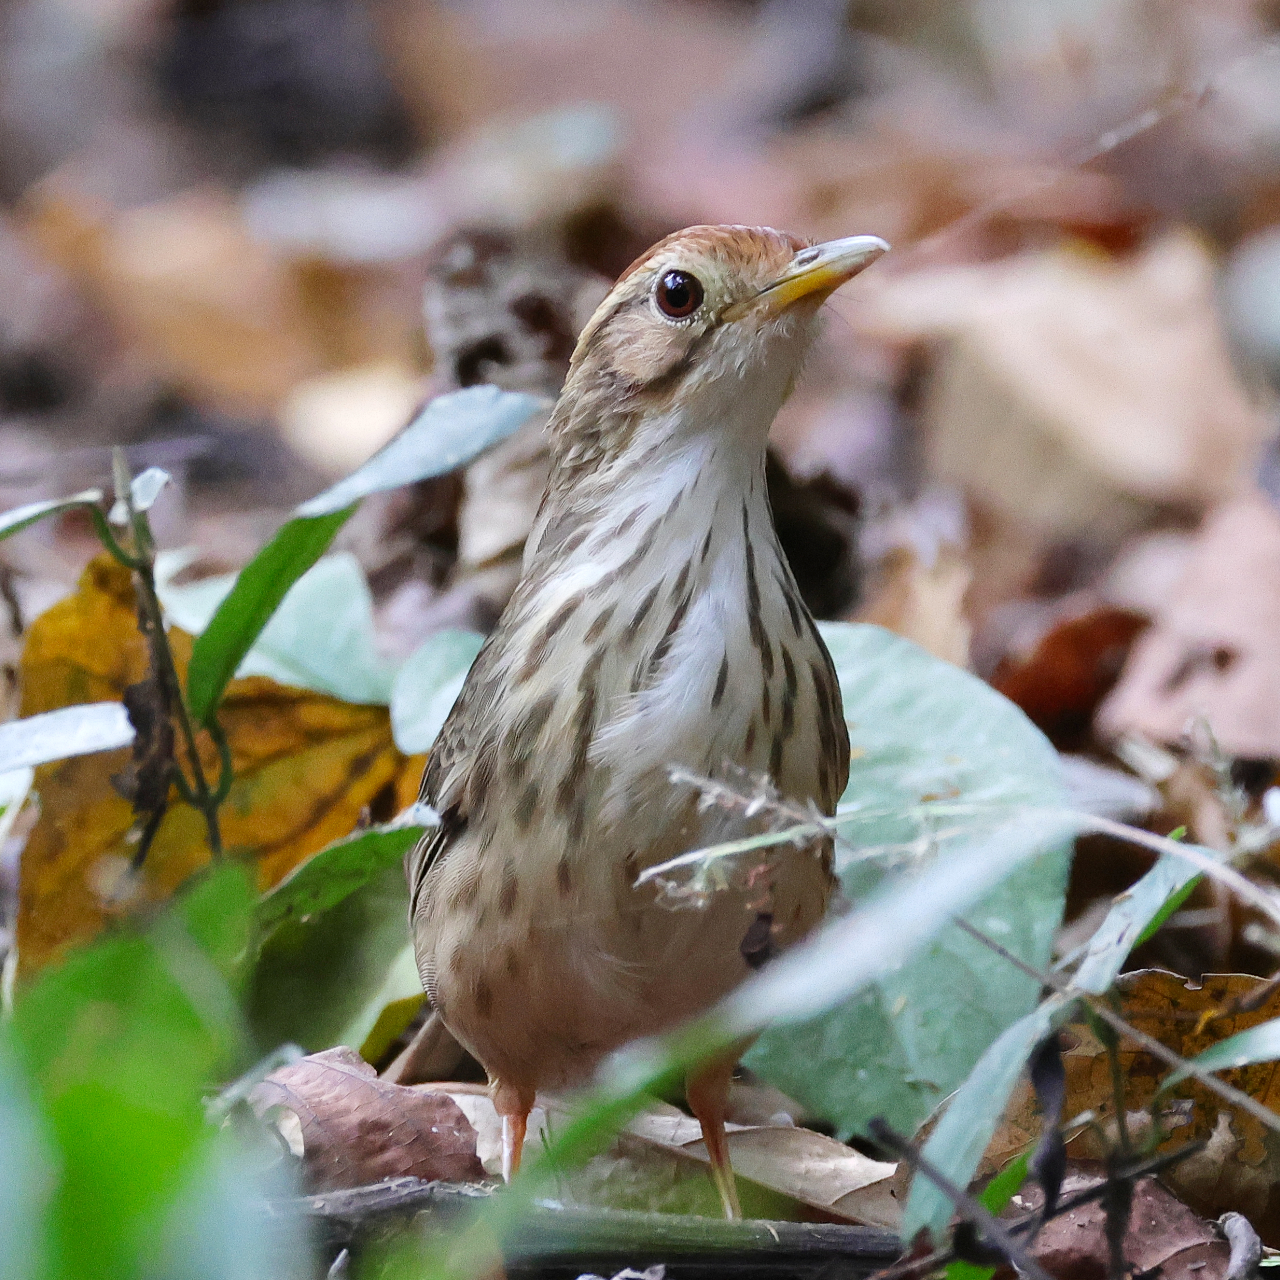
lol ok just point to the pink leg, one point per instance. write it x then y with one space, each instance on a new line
513 1103
707 1091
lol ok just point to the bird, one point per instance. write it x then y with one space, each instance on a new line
656 624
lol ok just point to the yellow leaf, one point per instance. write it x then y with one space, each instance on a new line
306 766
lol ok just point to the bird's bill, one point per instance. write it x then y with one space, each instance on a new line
814 273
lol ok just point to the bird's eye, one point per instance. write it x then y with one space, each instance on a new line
679 294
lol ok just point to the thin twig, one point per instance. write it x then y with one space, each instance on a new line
1033 1221
200 794
1211 866
1229 1093
995 1231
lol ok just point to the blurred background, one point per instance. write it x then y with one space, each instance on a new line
247 238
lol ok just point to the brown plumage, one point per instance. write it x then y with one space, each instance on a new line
656 624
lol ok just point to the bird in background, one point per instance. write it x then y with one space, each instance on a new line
656 624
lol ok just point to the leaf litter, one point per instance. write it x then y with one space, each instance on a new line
266 299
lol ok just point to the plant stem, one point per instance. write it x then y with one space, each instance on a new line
198 793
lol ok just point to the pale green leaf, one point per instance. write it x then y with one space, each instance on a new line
427 686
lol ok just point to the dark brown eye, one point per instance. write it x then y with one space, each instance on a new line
679 294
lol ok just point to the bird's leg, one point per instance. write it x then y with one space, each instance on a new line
513 1103
706 1090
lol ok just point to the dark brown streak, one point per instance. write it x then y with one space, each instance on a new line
722 681
538 649
510 890
570 794
706 546
642 612
596 630
523 736
793 605
527 806
755 623
789 691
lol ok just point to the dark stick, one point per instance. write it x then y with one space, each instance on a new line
992 1228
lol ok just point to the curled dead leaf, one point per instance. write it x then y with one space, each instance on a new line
353 1129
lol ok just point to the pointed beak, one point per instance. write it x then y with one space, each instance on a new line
815 273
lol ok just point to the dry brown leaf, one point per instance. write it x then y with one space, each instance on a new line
805 1166
306 765
1061 680
1241 1167
1074 394
1211 651
1164 1237
355 1129
925 602
201 299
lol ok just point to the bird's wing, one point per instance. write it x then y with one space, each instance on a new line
450 781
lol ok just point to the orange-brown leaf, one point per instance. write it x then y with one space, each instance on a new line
306 766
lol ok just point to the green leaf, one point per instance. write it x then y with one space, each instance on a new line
334 937
427 686
316 975
69 731
399 985
120 1041
27 1172
258 590
997 1193
449 431
20 517
321 636
943 766
961 1135
1134 916
334 873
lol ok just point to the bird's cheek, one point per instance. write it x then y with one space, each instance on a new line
648 355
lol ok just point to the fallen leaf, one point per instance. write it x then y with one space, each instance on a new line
924 602
1210 652
306 767
354 1129
210 305
804 1166
1075 392
1071 668
1240 1167
1165 1237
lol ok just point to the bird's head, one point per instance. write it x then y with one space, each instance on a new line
706 329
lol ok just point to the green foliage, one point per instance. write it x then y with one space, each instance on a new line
995 1196
19 518
942 765
427 686
961 1135
258 591
333 943
448 432
116 1047
320 637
